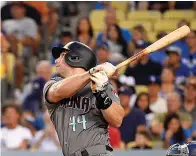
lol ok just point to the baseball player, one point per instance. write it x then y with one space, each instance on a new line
82 102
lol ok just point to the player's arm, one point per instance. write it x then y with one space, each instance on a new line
67 87
114 114
107 101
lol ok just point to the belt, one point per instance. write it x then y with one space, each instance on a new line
93 150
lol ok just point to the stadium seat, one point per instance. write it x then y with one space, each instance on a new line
98 26
179 14
120 5
97 18
152 36
141 88
11 64
144 15
97 15
2 71
130 24
193 24
165 25
120 15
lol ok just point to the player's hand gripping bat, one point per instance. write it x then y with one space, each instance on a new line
166 40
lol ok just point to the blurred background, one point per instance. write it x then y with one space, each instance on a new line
158 92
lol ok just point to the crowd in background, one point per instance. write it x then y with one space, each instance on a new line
157 92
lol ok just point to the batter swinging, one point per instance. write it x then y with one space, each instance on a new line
82 102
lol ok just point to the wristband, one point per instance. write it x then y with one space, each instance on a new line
103 100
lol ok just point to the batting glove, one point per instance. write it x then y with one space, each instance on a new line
99 81
107 67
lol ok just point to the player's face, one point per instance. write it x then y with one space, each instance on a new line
62 67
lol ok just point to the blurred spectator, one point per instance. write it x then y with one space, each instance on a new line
13 135
157 103
31 12
103 53
142 5
110 19
69 8
182 44
173 105
145 66
65 37
31 121
28 120
7 68
134 119
174 62
158 5
173 133
167 82
47 139
143 103
115 137
41 7
33 91
189 103
182 5
22 31
11 65
84 32
190 58
159 55
102 5
129 81
117 44
140 38
142 141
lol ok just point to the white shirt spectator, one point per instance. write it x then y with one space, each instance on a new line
159 106
12 138
47 144
21 28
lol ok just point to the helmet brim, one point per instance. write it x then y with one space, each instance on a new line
56 51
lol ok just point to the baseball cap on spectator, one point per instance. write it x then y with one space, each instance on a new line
66 34
103 45
125 90
173 49
154 80
127 80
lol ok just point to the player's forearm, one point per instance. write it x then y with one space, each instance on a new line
114 115
68 87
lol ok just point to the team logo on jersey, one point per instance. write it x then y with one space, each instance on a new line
115 93
77 102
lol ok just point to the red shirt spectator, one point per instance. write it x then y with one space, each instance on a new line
115 137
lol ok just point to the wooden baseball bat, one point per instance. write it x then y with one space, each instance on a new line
166 40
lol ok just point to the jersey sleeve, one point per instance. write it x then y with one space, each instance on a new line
46 88
50 106
112 93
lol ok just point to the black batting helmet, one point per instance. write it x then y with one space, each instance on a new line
79 55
